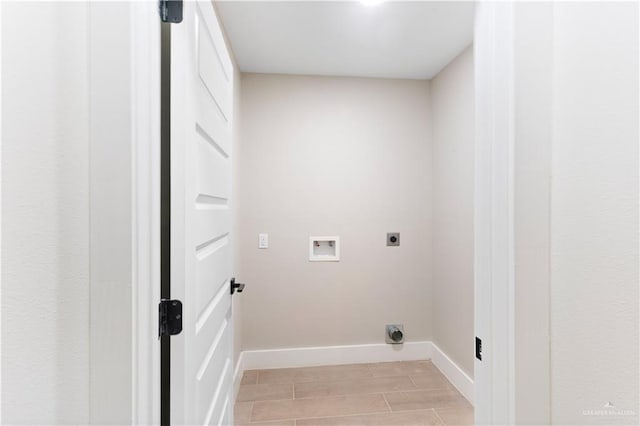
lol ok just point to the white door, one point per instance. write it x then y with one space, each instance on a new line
201 106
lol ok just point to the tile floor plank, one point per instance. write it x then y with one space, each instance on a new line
249 377
459 416
353 386
318 407
401 368
425 399
313 374
263 392
406 418
431 380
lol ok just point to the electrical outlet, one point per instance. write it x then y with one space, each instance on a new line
393 239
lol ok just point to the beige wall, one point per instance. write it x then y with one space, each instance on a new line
333 156
452 100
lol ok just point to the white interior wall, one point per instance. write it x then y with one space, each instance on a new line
45 214
576 212
452 101
73 291
594 214
333 156
533 52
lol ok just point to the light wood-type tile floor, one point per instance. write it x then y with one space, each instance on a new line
390 393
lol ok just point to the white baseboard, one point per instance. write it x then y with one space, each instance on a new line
354 354
335 355
453 372
237 375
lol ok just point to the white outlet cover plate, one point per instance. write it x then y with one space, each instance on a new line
263 241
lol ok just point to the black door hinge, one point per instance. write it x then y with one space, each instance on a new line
171 11
170 317
478 348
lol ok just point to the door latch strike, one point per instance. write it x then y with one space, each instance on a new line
170 317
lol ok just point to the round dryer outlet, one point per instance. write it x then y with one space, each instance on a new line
394 334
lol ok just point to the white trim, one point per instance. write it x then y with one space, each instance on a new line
1 211
453 372
354 354
335 355
237 375
124 131
493 227
145 135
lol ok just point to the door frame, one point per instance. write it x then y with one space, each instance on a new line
145 113
494 385
124 309
494 265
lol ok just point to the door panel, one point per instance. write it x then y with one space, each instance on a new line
202 92
212 277
213 184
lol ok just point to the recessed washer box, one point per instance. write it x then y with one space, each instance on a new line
324 249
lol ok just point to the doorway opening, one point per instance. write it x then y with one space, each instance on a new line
355 122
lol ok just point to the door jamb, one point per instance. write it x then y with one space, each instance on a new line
123 83
494 260
494 213
145 113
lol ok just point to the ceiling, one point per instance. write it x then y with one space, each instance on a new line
393 39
